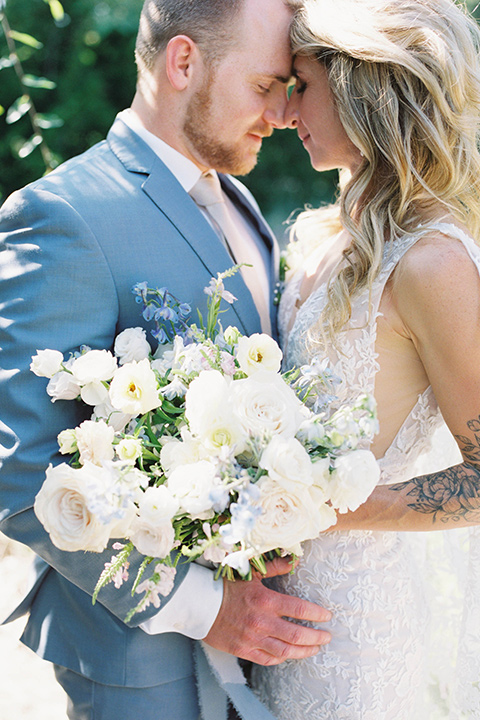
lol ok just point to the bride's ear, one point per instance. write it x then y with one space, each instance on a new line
182 56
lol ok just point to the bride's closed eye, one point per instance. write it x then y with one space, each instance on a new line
300 86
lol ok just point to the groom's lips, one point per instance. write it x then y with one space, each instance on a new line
304 138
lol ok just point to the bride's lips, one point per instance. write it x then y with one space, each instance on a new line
304 138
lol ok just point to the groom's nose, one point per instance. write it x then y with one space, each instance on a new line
274 113
290 119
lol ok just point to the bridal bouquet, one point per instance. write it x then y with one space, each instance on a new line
200 451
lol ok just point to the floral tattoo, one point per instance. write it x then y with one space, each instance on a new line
453 494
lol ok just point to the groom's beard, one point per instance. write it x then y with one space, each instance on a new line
198 128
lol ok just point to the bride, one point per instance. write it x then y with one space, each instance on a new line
388 290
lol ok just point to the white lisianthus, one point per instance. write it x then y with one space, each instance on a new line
94 393
258 352
67 441
152 540
288 517
62 508
62 386
132 344
129 449
321 473
239 560
355 476
231 335
210 414
94 366
46 363
112 416
266 405
191 485
134 388
95 442
287 462
181 452
157 504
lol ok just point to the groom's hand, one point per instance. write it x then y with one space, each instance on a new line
252 624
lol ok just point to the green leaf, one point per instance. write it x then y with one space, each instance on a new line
19 108
2 110
39 82
26 39
29 146
56 8
45 122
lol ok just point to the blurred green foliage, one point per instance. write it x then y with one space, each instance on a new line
80 72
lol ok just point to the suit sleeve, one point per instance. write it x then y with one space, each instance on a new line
56 291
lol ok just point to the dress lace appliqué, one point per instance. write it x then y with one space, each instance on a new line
386 660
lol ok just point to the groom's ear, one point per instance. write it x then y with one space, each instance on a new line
182 55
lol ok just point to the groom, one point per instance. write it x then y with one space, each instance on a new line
212 81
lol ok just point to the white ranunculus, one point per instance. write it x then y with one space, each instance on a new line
132 344
191 485
62 386
287 462
288 517
112 416
129 449
353 479
258 352
157 504
95 441
153 540
266 405
134 388
46 363
67 441
94 366
62 508
321 474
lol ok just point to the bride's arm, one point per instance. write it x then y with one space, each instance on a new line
437 295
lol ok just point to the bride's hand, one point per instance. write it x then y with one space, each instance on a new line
252 624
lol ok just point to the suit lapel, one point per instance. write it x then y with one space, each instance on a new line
163 189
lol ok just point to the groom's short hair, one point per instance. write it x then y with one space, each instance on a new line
209 23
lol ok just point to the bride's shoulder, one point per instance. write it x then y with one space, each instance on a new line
444 262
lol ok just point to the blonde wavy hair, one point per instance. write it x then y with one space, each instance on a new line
405 78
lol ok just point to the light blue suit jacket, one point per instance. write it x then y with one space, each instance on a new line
72 245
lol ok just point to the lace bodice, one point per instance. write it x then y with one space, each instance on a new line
374 583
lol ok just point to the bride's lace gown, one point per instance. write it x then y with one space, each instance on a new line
374 583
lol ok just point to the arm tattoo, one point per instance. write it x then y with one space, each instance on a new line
452 495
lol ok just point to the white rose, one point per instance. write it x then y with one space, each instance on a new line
62 386
287 462
152 540
132 344
46 363
353 479
157 504
95 441
191 485
129 449
288 517
258 352
265 404
62 508
67 441
134 388
94 366
210 415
